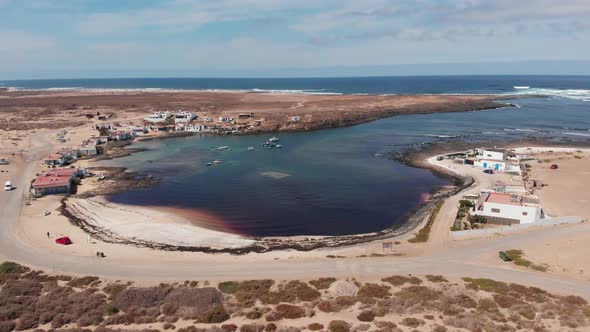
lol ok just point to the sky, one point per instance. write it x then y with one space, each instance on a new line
258 38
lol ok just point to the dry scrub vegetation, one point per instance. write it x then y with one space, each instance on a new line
32 300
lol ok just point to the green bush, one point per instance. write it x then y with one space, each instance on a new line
466 203
111 310
229 287
12 267
424 232
477 219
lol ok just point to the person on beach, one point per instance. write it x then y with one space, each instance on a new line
48 235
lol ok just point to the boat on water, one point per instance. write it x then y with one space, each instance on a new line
273 139
271 145
217 161
250 148
209 164
521 87
221 148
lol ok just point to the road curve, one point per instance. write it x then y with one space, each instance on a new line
456 261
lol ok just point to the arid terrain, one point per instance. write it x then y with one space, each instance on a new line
34 300
42 109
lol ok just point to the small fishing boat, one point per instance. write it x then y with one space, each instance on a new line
278 146
209 164
521 87
217 161
250 148
273 139
222 148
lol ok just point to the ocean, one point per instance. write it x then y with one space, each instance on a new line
335 181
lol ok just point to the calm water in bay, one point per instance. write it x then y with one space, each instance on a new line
337 181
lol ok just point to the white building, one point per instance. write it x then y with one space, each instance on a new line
196 128
496 165
158 117
490 154
505 208
225 119
184 117
295 118
88 150
138 130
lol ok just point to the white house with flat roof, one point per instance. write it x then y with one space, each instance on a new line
158 117
196 128
184 117
490 154
504 208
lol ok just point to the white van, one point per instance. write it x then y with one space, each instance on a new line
7 186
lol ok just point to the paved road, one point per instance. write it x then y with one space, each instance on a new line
458 261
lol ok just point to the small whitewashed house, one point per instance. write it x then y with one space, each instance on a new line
184 117
88 150
490 154
503 208
196 128
158 117
225 119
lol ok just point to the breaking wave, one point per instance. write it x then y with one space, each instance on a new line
577 94
118 90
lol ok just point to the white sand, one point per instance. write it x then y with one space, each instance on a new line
151 225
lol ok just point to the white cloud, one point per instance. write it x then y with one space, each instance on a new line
185 15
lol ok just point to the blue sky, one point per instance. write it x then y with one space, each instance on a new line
108 38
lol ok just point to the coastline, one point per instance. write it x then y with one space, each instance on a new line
410 222
403 226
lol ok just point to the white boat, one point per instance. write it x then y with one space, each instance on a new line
278 146
273 139
221 148
217 161
250 148
521 87
209 164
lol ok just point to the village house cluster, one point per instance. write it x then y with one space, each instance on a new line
192 122
60 176
503 203
55 182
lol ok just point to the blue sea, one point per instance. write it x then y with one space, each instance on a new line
337 181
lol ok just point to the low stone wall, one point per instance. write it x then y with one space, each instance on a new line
471 233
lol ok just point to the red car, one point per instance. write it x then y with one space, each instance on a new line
64 240
554 166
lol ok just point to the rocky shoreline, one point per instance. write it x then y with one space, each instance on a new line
127 181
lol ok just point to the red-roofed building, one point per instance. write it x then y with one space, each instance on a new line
55 181
505 208
54 159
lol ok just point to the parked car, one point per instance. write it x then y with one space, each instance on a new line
554 166
8 186
4 162
489 171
